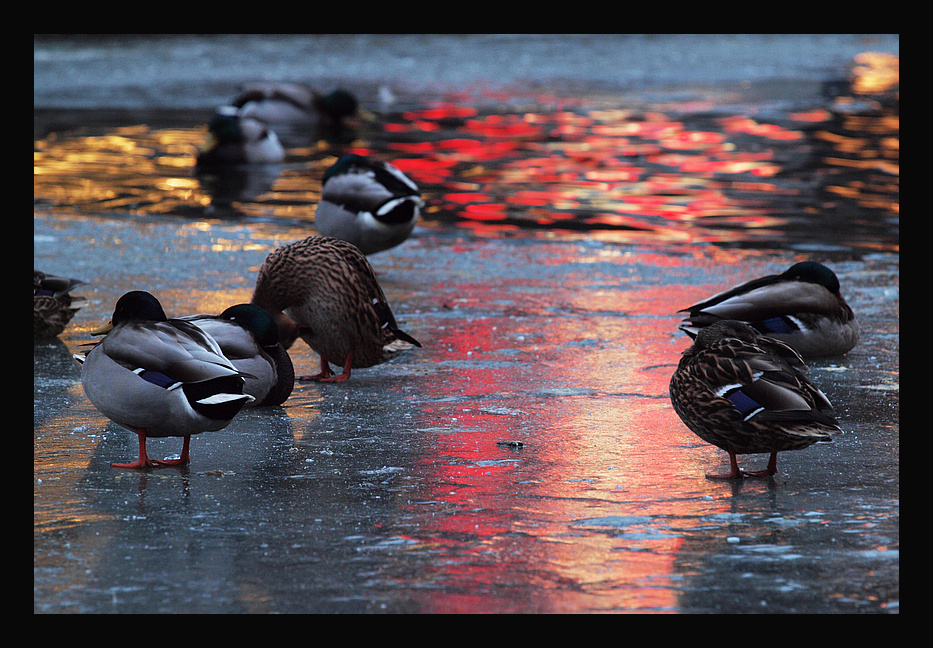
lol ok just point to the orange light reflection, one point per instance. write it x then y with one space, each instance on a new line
605 460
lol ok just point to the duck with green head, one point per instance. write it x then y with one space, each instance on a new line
234 140
368 203
296 104
801 306
249 338
160 377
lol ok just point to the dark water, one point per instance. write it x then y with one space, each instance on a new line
812 164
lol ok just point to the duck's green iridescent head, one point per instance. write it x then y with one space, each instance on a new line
814 272
337 104
256 320
138 305
225 126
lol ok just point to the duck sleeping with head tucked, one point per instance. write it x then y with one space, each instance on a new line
296 104
324 291
160 377
745 393
368 203
249 338
802 306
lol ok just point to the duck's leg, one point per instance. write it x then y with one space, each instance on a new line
345 376
735 473
324 375
770 470
143 461
183 460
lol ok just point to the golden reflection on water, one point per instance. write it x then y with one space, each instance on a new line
563 169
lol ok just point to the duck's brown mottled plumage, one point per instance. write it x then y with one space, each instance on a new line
745 393
324 291
52 305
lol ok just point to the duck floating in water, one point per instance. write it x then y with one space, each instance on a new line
52 304
249 338
160 377
745 393
324 291
233 139
801 306
368 203
296 104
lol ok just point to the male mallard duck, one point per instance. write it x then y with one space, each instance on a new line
232 139
801 306
368 203
295 103
52 305
323 290
159 377
249 338
744 393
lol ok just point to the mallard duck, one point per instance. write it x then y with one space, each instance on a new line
249 338
323 290
745 393
52 304
801 306
232 139
295 103
160 377
368 203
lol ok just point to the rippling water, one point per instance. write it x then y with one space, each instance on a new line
823 176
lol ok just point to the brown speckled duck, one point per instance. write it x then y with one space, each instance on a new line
324 291
802 306
160 377
52 304
745 393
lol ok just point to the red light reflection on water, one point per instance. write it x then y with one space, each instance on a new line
537 528
606 171
561 168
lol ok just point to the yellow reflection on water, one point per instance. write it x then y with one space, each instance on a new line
876 72
564 169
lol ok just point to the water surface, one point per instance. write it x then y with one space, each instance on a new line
527 458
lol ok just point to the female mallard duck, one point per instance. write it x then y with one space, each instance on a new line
744 393
295 103
52 305
323 290
368 203
801 306
159 377
232 139
249 338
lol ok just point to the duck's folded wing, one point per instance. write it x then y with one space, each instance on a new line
355 191
176 349
767 300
